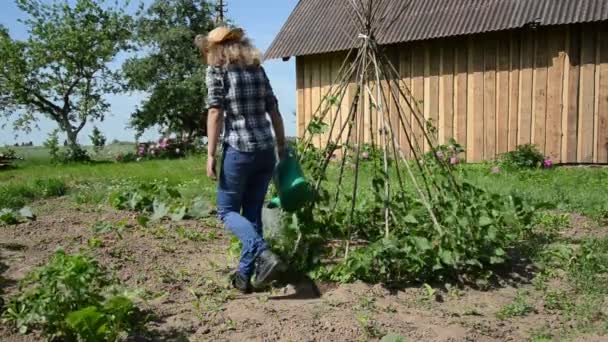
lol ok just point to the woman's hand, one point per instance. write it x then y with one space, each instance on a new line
211 166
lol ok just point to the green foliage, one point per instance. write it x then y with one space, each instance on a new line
52 143
11 217
475 232
524 157
97 139
59 156
70 297
17 195
158 200
170 69
452 153
519 307
62 71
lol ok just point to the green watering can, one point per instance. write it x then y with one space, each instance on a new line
294 191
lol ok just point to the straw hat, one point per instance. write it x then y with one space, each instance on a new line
218 35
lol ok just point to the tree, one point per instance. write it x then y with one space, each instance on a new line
62 71
171 72
97 139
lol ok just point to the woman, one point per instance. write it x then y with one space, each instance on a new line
239 97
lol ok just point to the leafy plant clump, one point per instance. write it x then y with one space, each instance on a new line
11 217
160 201
524 157
467 236
74 154
71 298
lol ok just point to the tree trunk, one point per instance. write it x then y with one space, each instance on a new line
72 138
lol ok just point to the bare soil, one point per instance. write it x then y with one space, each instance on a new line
190 300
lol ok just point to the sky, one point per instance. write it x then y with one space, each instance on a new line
262 20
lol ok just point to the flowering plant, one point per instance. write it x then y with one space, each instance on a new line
164 148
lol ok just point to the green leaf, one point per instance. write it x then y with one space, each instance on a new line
26 212
411 219
491 235
160 210
200 208
485 221
178 214
447 257
422 244
143 220
496 260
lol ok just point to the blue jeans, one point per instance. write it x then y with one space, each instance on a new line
243 183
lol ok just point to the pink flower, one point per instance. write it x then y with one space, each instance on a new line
548 163
454 160
163 143
495 170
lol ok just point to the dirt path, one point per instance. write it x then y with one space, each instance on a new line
188 292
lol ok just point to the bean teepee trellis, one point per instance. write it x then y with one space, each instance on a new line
377 83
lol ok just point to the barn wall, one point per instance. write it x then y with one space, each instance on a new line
490 92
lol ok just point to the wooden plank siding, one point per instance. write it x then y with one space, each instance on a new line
490 92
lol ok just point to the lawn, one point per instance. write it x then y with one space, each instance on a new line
556 288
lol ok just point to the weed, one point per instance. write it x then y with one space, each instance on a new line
519 307
94 242
189 234
557 300
541 335
101 227
366 303
553 223
369 326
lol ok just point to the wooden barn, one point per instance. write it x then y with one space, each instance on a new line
493 74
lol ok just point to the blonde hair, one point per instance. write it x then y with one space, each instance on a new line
233 52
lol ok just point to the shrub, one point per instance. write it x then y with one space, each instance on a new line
72 154
450 153
524 157
69 298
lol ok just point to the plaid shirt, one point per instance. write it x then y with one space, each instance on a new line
245 95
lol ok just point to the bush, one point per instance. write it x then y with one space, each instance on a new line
450 153
71 298
524 157
72 154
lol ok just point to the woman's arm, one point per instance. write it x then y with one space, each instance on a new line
279 130
215 115
272 107
215 122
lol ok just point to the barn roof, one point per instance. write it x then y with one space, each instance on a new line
321 26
